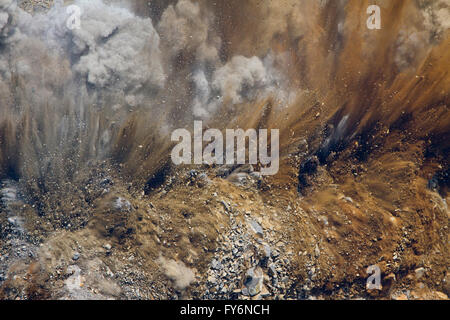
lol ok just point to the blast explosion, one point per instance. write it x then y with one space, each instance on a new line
92 205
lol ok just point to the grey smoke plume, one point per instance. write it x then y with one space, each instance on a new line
428 26
238 77
235 82
178 272
70 92
185 28
187 32
117 51
238 81
122 51
112 50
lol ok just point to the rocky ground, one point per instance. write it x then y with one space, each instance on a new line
209 235
33 6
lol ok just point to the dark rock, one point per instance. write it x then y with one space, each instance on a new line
254 281
76 256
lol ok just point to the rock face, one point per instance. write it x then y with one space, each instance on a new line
246 264
256 227
76 256
122 204
15 241
253 281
